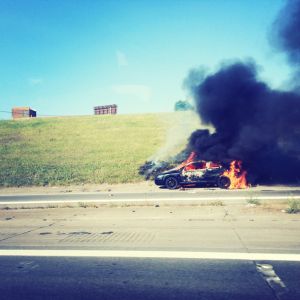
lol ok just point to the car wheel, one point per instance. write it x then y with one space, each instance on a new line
224 182
171 183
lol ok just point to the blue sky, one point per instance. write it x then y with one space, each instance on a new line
62 57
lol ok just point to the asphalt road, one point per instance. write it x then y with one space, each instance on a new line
47 253
130 279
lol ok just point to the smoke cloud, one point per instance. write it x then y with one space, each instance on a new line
253 123
286 28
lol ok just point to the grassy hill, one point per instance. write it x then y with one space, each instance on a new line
76 150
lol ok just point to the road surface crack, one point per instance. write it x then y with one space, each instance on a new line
228 217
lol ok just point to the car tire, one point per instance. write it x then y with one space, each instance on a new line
224 182
171 183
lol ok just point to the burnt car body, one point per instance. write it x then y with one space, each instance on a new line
194 173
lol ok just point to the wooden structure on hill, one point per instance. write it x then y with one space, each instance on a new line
106 109
23 112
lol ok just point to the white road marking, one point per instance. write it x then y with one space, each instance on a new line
152 254
269 274
273 280
211 198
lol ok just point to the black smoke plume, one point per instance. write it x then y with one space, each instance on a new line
286 30
252 122
285 36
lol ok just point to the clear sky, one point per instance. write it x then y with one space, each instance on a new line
62 57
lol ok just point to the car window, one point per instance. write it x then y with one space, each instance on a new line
212 165
195 166
200 165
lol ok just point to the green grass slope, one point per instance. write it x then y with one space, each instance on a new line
77 150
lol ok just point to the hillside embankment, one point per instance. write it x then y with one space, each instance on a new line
85 149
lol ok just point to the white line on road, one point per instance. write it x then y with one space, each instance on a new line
152 254
212 198
272 279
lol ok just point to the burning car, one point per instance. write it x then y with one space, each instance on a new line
195 172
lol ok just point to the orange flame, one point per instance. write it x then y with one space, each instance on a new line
236 175
190 159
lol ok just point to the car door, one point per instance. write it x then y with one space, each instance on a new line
193 172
